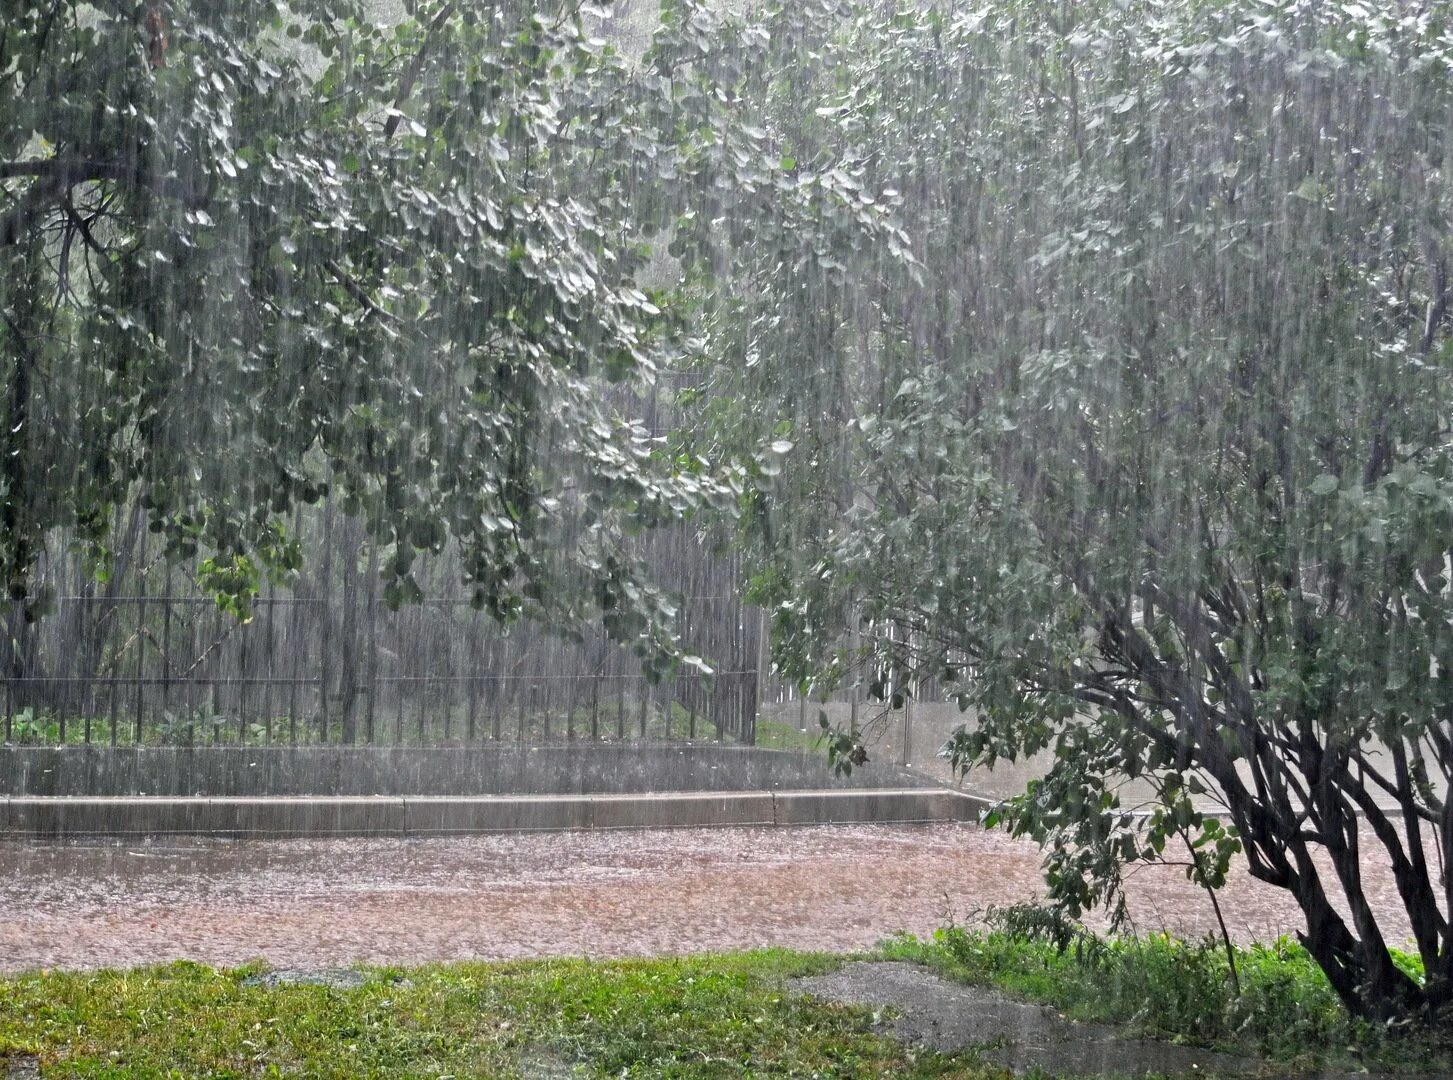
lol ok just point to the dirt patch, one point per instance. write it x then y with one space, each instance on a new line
948 1017
19 1067
333 978
543 1066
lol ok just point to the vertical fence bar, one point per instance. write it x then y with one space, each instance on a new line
446 683
499 708
472 686
270 673
372 657
394 617
295 653
166 644
398 713
243 673
691 705
138 641
59 697
907 728
325 625
113 703
298 608
209 667
620 707
417 662
189 689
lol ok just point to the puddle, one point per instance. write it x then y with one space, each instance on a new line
948 1017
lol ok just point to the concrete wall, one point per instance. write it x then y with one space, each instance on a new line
51 818
100 771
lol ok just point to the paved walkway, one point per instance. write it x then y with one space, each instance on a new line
321 903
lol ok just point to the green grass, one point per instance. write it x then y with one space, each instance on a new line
701 1017
1180 991
775 735
420 723
708 1016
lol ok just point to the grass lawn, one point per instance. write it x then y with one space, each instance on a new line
776 735
705 1016
708 1016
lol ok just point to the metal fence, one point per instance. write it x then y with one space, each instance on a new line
156 665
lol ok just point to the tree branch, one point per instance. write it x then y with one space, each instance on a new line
16 224
66 170
411 74
358 292
55 176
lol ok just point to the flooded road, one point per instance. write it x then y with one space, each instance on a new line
315 903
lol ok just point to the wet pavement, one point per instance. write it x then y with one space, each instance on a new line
324 903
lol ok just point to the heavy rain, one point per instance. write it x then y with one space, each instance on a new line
703 538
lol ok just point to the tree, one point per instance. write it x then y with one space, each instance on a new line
256 254
1144 454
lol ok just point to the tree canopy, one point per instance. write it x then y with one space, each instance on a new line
1144 453
252 254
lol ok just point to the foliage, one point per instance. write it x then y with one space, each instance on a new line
698 1017
1143 455
256 254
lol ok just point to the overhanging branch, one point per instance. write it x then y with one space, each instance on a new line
411 74
55 176
67 171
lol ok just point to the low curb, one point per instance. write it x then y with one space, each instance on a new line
56 817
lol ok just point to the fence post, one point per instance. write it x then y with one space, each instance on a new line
907 728
166 642
139 642
325 623
372 637
472 685
621 707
